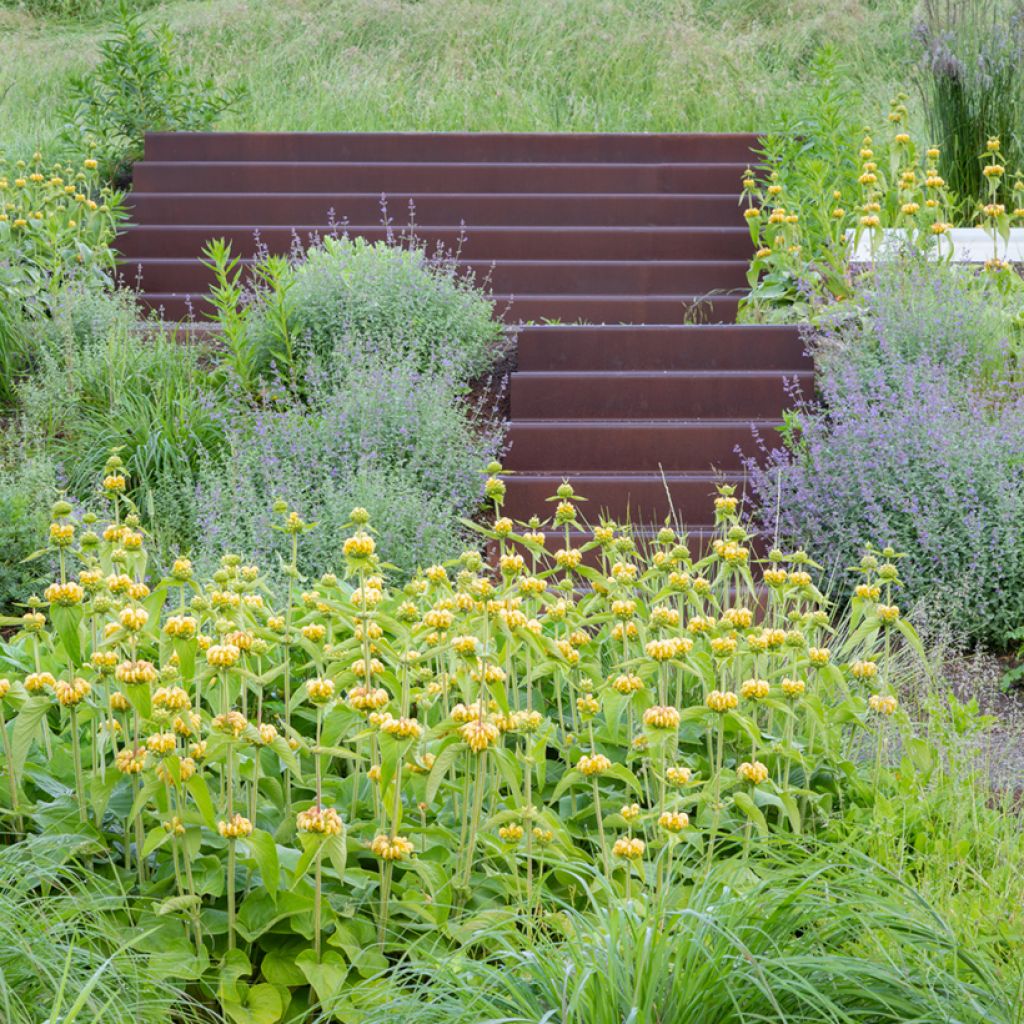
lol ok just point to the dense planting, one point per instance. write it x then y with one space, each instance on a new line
314 781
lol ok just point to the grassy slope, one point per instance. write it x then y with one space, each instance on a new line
543 65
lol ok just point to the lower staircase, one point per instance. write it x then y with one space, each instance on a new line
621 257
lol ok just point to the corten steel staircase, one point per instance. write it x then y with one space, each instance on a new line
638 237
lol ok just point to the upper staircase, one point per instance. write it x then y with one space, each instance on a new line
623 255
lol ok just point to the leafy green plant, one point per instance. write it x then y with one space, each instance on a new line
27 487
306 781
105 380
57 225
14 352
141 83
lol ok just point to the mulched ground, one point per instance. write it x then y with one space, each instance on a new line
978 676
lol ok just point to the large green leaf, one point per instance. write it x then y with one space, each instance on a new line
326 975
262 849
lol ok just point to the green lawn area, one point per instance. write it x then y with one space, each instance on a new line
525 65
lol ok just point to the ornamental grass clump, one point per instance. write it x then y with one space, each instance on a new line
318 773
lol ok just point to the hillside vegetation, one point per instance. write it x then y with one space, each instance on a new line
521 65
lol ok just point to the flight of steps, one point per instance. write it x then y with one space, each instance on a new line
624 256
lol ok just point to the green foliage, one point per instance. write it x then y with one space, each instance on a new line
57 225
142 83
106 381
306 788
66 944
396 442
14 351
27 487
346 300
473 65
813 938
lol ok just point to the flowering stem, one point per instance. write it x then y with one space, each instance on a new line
318 900
600 826
387 867
478 800
11 774
231 893
717 794
76 749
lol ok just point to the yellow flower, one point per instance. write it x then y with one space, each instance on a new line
888 613
323 821
35 682
161 743
753 772
320 690
232 723
678 775
721 702
993 171
668 648
402 728
235 827
884 704
70 694
181 627
662 717
568 558
818 656
133 619
391 849
754 689
510 833
223 655
627 684
130 761
359 547
33 621
630 811
479 735
864 670
593 764
136 673
793 687
629 848
64 594
673 821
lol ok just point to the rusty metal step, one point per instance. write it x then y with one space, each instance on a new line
527 308
519 209
420 176
189 276
576 446
640 497
647 395
478 242
662 347
450 146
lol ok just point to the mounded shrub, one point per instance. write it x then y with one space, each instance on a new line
349 299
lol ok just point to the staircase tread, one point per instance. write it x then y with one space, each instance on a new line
639 374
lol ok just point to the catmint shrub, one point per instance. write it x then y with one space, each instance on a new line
913 456
394 440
